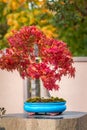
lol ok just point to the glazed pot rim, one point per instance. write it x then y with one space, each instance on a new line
50 103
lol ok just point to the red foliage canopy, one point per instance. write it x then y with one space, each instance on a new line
29 44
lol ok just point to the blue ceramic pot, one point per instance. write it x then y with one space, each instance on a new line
40 107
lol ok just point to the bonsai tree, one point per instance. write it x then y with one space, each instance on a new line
55 59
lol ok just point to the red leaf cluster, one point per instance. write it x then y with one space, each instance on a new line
28 44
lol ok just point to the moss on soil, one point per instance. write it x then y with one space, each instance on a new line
51 99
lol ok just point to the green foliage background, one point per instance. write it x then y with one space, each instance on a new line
63 19
70 19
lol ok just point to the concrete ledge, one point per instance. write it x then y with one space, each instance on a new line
66 121
80 59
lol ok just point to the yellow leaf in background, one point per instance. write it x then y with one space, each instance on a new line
32 19
36 12
15 23
43 21
10 22
16 15
15 27
14 5
46 11
8 34
10 16
10 19
22 13
4 11
21 1
23 20
5 1
50 31
40 2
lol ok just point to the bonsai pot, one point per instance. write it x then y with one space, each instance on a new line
45 106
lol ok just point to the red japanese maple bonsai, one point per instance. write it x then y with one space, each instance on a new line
55 59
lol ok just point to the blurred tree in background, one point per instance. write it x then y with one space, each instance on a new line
17 13
70 19
62 19
3 26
